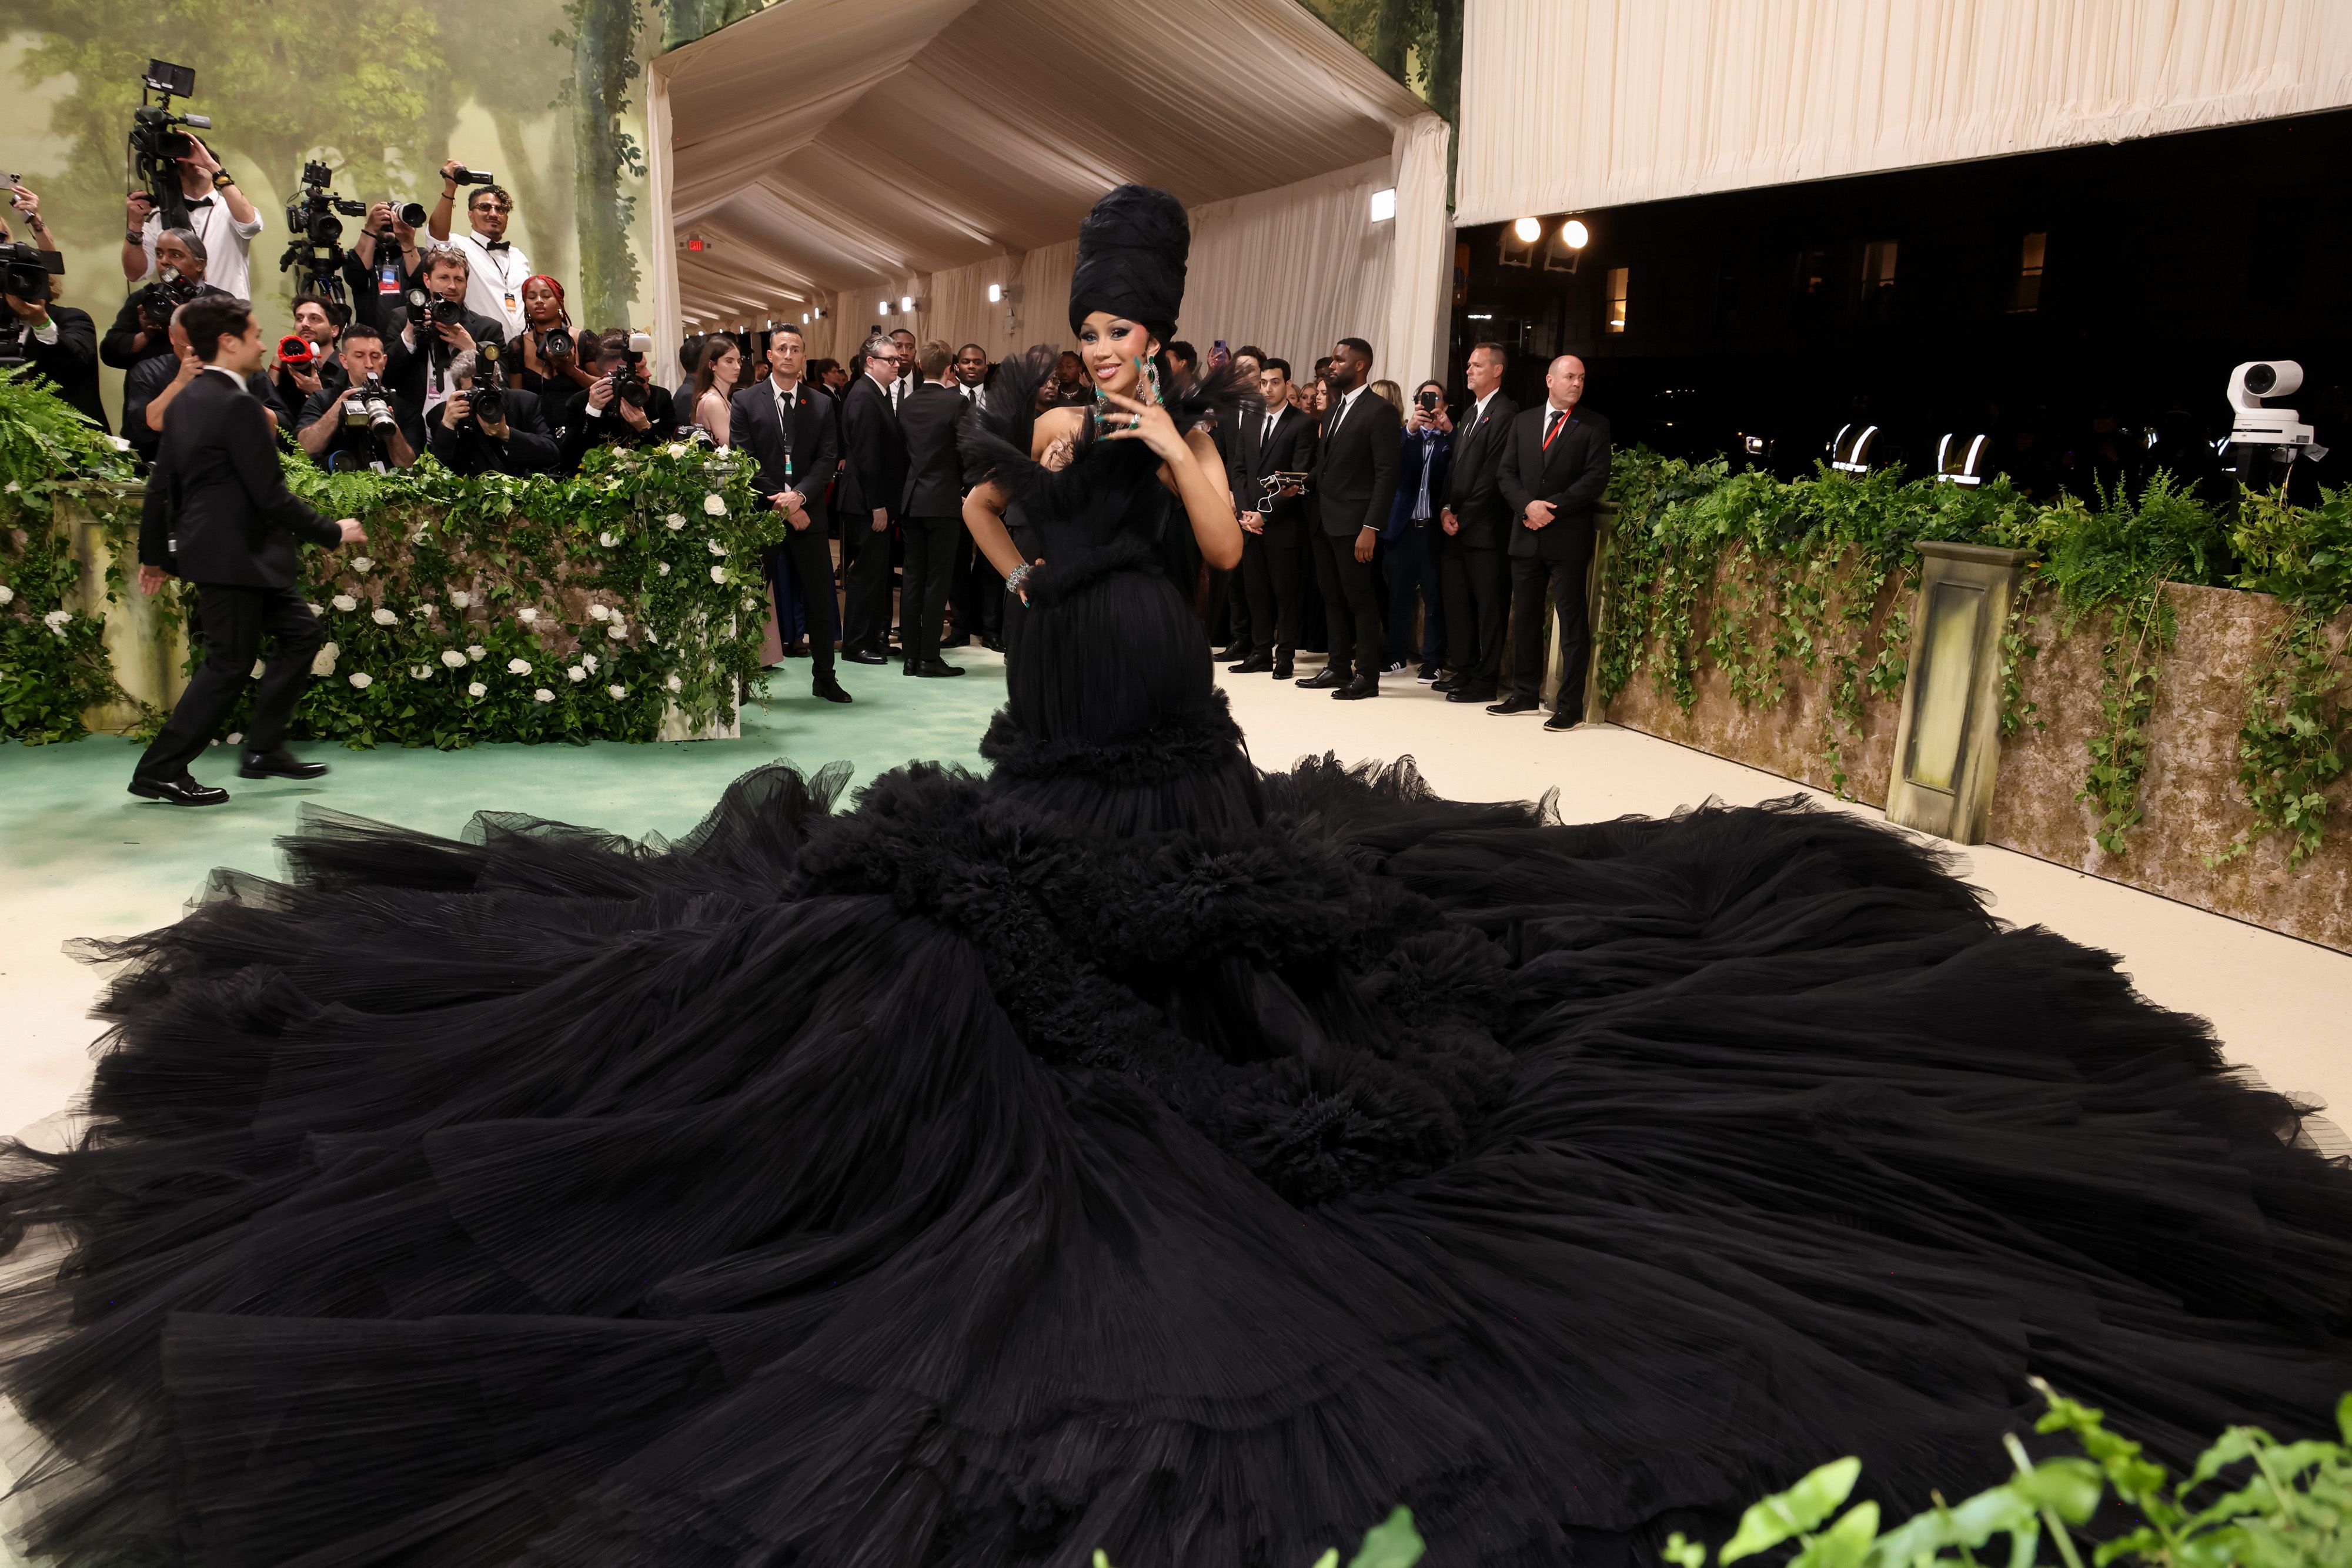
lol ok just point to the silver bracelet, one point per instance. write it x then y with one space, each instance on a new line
1016 577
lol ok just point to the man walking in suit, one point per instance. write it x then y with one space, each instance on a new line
787 426
1281 440
930 510
1475 567
873 481
1554 465
977 592
1355 476
219 515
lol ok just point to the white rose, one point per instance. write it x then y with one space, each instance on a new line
575 674
384 617
236 739
608 538
674 683
662 568
600 613
453 659
57 620
322 663
476 652
527 616
714 546
459 597
617 629
715 506
257 667
344 602
362 563
674 522
676 449
517 666
361 680
420 672
589 660
8 596
543 695
306 604
476 689
424 611
618 692
718 574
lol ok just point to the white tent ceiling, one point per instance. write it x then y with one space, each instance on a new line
823 145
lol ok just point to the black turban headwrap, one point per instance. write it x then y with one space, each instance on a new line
1131 252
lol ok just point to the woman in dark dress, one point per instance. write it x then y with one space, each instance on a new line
1127 1148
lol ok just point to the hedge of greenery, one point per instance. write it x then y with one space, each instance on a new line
479 609
1769 579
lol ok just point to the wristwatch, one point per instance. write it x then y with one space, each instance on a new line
222 179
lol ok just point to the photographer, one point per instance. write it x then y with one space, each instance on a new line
434 331
486 430
27 207
383 231
547 356
366 423
496 269
141 326
620 408
222 220
318 322
149 390
55 341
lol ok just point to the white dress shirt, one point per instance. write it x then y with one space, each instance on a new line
228 244
1339 414
494 281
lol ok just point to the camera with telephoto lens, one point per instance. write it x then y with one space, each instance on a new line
629 376
559 343
166 294
156 149
369 404
426 308
413 213
486 397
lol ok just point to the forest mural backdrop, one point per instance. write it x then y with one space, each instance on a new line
544 94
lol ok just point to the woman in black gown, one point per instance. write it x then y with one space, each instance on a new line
1127 1148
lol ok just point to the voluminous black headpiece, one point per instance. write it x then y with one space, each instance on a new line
1131 253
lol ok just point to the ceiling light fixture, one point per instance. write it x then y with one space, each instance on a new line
1529 230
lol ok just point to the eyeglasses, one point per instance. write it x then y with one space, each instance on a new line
493 206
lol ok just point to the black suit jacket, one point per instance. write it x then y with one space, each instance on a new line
583 430
805 462
151 376
404 367
529 448
1291 450
1472 487
873 451
1571 476
356 446
1356 467
928 419
217 507
71 361
115 348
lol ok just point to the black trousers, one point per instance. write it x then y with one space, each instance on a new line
234 619
1270 585
977 593
866 620
1229 617
1529 578
809 553
1477 609
930 571
1352 605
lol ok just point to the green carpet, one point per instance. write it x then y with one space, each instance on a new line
66 824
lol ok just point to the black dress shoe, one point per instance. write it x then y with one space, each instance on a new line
907 666
1357 689
280 764
937 668
181 792
862 657
957 640
1255 664
1564 720
1443 684
993 644
1234 654
1515 705
1323 679
1471 694
1282 670
829 689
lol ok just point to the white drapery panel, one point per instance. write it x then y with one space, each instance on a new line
1046 295
1292 271
960 311
1422 282
670 322
1568 104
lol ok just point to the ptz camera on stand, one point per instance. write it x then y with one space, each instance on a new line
2267 440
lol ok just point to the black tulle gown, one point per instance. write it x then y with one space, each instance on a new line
1127 1148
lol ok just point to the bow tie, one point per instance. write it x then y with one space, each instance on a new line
496 244
200 202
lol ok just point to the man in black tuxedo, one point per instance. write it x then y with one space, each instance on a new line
873 484
468 439
977 592
61 343
930 510
1555 467
903 342
601 416
1476 566
1355 477
417 355
333 426
218 515
1280 440
788 426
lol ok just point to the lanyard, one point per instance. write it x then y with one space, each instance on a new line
1559 423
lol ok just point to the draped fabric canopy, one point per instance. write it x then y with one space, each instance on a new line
1599 102
835 154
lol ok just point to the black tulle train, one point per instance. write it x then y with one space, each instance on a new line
945 1183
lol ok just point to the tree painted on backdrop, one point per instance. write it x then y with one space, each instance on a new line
603 40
